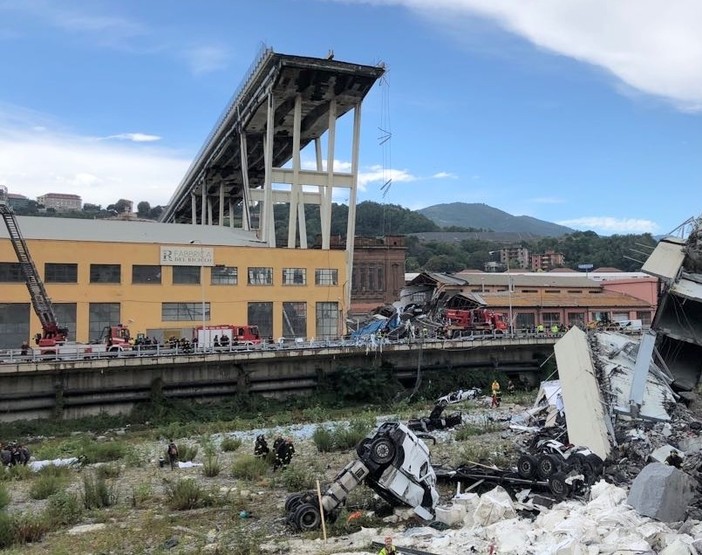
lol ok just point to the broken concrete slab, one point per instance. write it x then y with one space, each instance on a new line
585 415
494 506
661 492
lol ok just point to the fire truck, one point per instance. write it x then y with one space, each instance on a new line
226 335
476 320
53 339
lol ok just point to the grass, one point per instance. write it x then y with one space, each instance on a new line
47 484
230 444
211 466
141 493
4 495
185 495
248 467
298 476
97 493
64 508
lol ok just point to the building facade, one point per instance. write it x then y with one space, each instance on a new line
515 257
546 261
166 279
378 272
61 202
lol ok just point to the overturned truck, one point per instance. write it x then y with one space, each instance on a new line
392 461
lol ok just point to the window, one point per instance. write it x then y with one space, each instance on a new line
525 320
10 272
327 319
552 290
326 276
186 275
294 319
66 316
260 276
294 276
550 318
185 312
105 273
575 291
142 273
60 273
225 275
261 315
14 324
644 316
530 291
576 319
100 316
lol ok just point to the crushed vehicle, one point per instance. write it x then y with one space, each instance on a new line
459 396
392 461
435 421
460 322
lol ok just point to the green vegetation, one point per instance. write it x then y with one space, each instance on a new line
248 467
4 496
341 437
230 444
97 493
64 508
45 485
184 495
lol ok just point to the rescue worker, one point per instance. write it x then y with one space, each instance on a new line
495 394
24 351
540 328
261 446
172 452
388 548
555 329
284 451
510 386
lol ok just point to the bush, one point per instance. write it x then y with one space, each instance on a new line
108 471
93 452
46 485
249 467
469 430
4 495
7 530
56 471
17 473
323 439
30 528
64 508
187 452
296 477
184 495
140 494
97 493
230 444
211 467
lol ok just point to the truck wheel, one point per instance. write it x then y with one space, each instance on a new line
580 464
307 517
558 486
382 451
293 502
596 463
526 466
547 465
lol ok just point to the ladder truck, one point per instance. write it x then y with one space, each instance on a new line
53 338
51 333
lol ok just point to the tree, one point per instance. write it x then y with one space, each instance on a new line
144 209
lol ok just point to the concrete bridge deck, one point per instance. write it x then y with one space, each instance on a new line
71 389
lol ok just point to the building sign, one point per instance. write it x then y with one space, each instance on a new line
187 256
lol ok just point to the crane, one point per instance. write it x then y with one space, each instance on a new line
52 333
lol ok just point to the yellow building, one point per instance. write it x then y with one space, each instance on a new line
157 277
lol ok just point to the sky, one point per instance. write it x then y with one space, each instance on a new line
586 113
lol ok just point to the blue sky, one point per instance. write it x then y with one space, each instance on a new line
582 112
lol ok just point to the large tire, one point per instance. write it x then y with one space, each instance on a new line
526 466
558 486
307 517
293 502
596 462
546 466
382 451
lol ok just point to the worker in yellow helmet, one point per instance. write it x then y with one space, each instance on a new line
388 548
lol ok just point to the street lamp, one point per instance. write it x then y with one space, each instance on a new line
202 288
509 289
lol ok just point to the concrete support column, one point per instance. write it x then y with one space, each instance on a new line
203 203
246 202
267 224
193 209
351 223
296 188
327 197
221 205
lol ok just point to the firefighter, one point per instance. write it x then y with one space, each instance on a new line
674 459
388 548
284 451
495 394
172 452
24 351
261 446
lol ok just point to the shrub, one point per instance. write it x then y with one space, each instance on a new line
97 493
323 439
230 444
64 508
296 477
7 530
187 452
184 495
346 437
140 494
18 473
248 467
93 452
4 496
470 430
30 528
108 471
56 471
211 467
46 485
241 540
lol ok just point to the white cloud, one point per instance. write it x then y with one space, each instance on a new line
135 137
380 175
34 163
651 46
444 175
607 224
206 58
